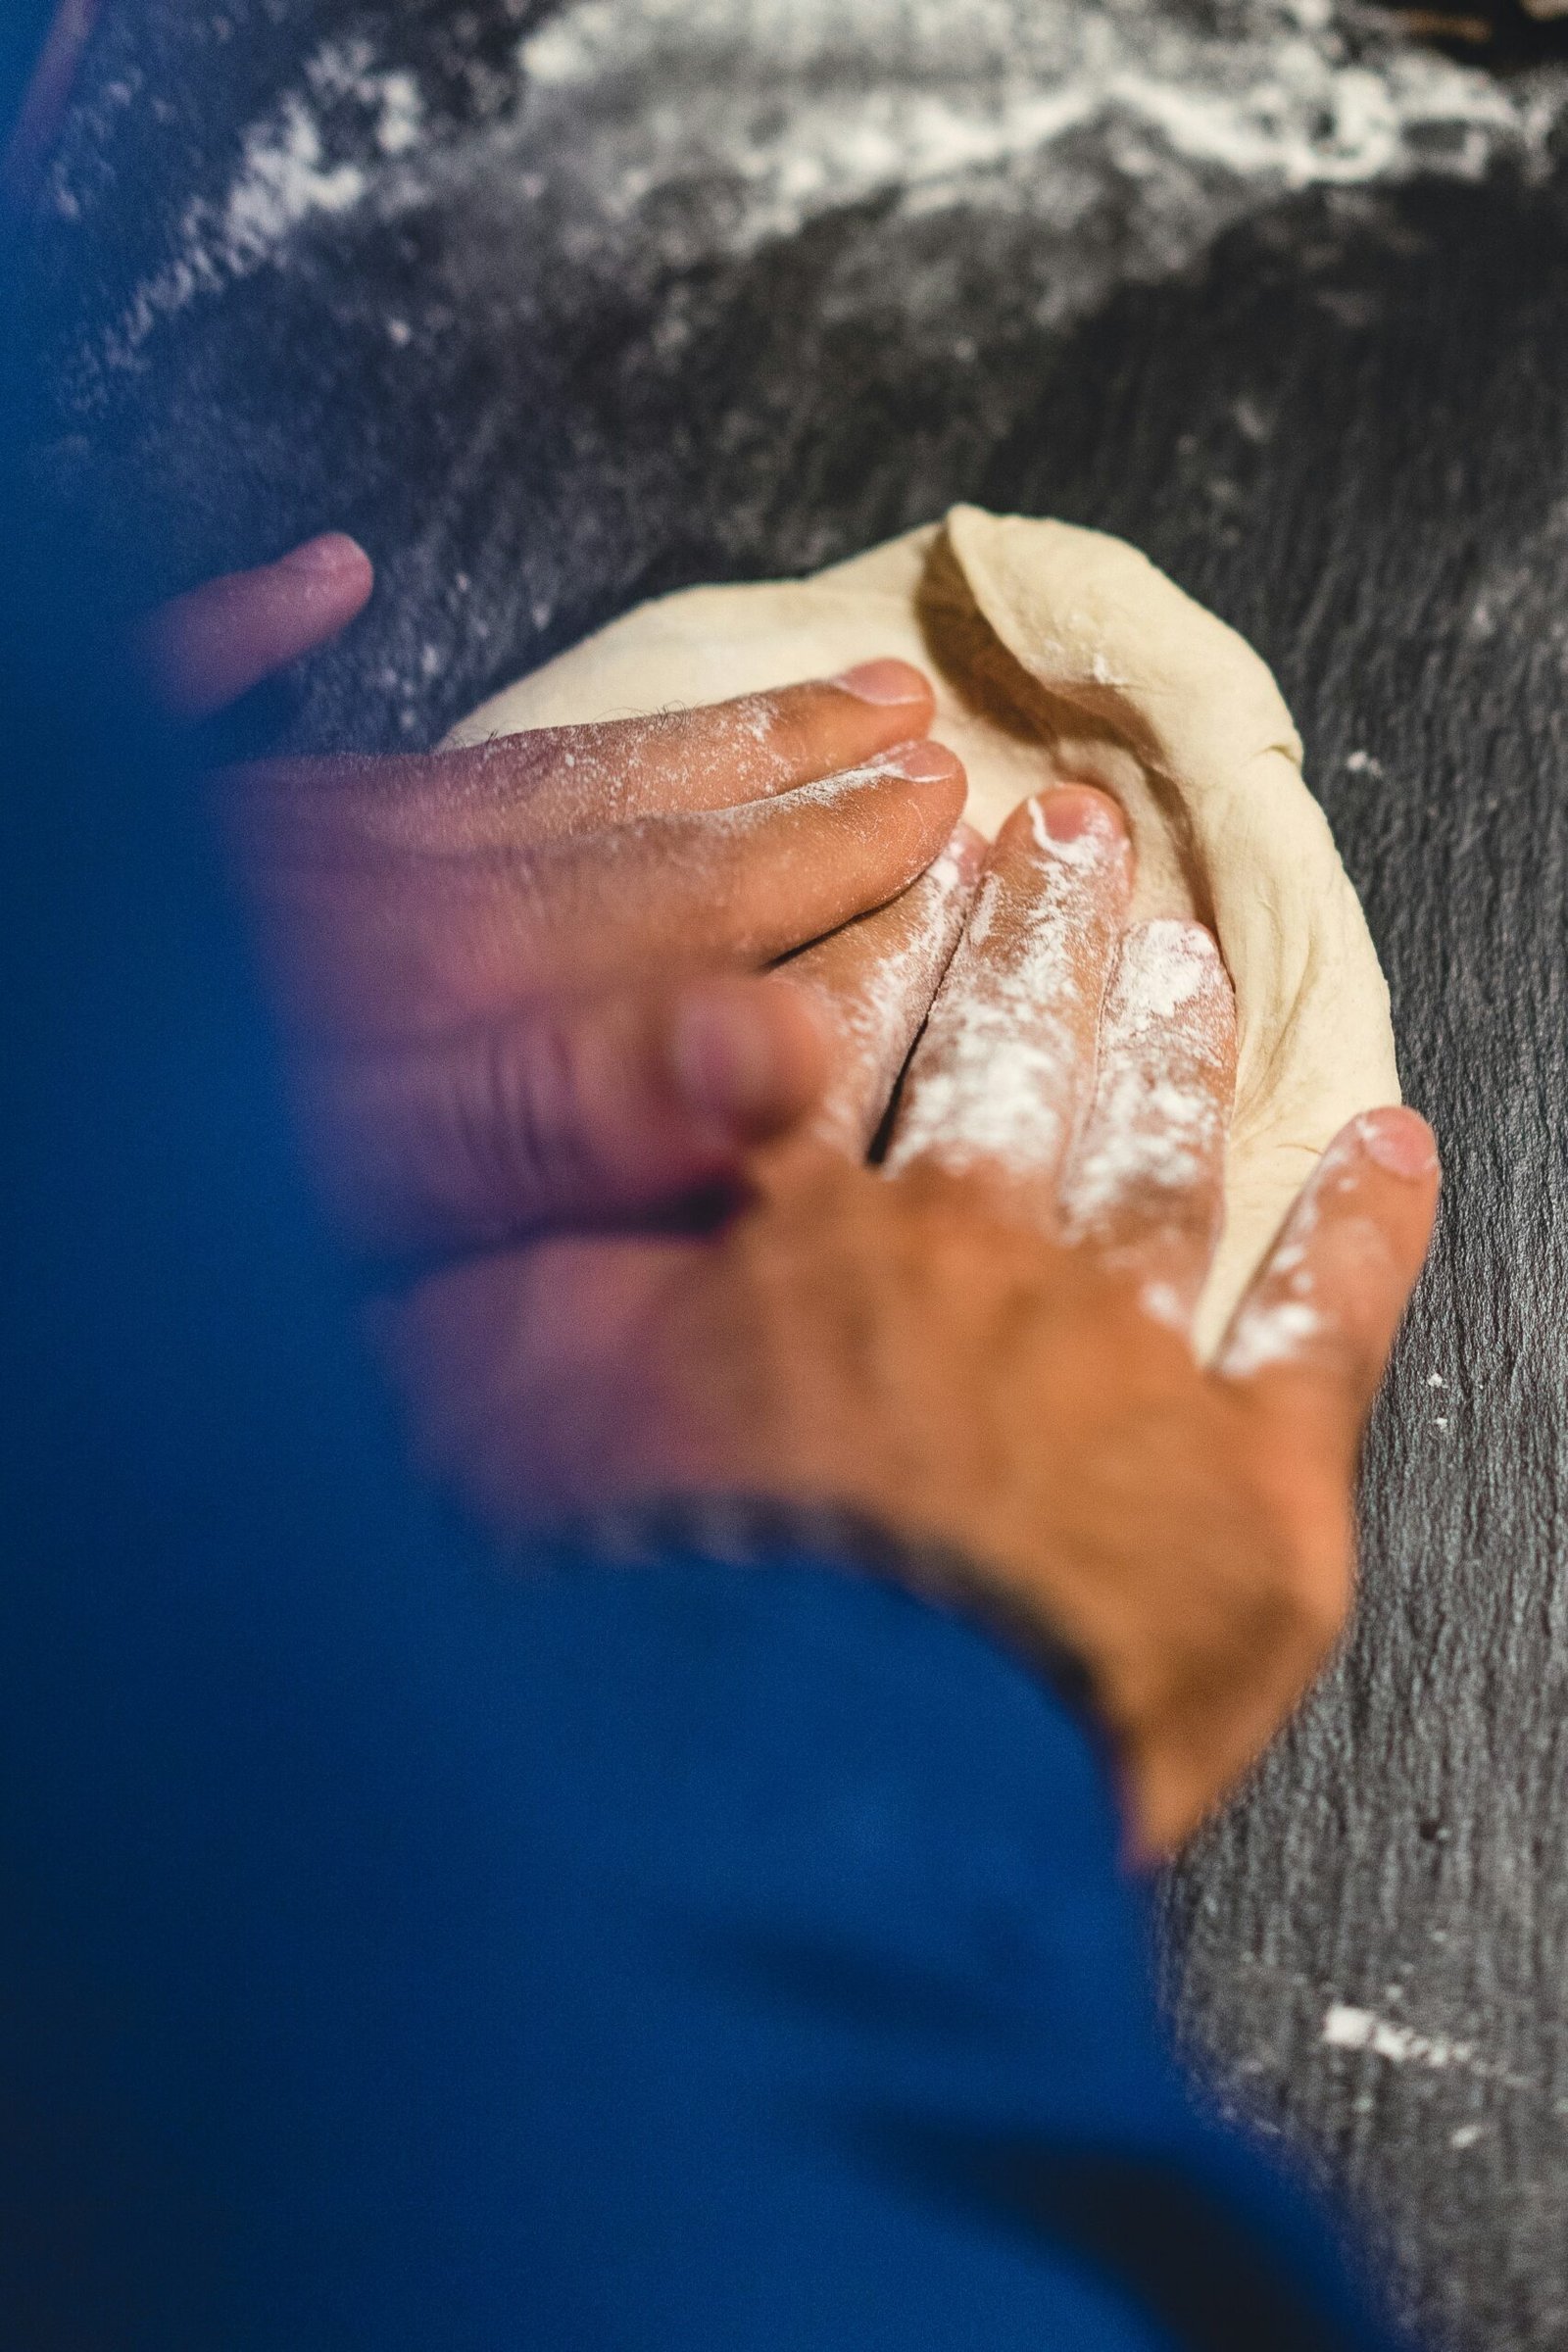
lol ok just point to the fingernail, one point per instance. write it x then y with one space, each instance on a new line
920 764
331 552
726 1061
1074 810
883 683
1400 1141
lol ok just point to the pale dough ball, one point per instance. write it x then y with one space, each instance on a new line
1058 650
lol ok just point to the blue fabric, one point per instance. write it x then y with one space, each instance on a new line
399 1958
611 1960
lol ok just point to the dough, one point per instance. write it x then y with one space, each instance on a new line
1062 652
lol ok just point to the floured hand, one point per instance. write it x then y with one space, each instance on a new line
985 1350
522 981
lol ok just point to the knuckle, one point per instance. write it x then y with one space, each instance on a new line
1323 1601
1319 1570
528 1129
515 766
887 824
796 735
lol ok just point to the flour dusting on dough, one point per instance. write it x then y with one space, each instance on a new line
1199 750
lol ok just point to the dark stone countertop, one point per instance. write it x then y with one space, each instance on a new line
726 289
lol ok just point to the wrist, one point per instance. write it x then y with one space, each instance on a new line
1183 1682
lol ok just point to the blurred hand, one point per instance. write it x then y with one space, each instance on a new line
27 142
985 1350
522 982
517 981
203 650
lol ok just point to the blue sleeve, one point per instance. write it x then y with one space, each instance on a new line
839 2008
607 1960
394 1960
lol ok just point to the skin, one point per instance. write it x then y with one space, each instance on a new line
525 984
43 106
983 1346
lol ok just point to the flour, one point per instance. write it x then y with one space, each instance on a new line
1162 1103
287 179
789 109
1280 1332
1345 2027
655 136
998 1077
878 1015
1166 968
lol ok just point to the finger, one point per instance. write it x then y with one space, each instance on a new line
46 98
873 982
1321 1316
562 780
553 783
572 1114
1005 1068
204 651
1146 1187
519 1370
363 950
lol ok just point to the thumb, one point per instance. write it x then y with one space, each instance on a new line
1318 1323
572 1113
204 651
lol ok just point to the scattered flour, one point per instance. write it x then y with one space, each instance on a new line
658 136
286 178
819 102
1172 121
1349 2028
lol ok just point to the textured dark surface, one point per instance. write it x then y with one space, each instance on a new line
1343 422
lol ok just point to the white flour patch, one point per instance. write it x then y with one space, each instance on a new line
1277 1334
1283 1327
1349 2028
1167 967
1162 1102
1165 1303
998 1078
287 178
984 912
1083 851
662 135
784 110
879 1018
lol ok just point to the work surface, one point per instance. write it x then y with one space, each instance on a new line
556 307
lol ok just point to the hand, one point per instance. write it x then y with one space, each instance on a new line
517 977
38 118
202 651
986 1353
521 980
